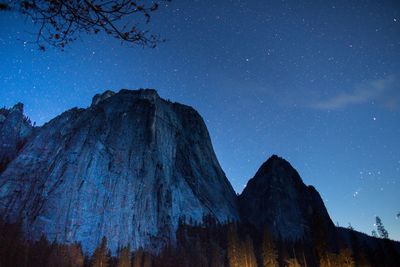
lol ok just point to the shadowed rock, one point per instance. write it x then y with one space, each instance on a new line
15 129
277 198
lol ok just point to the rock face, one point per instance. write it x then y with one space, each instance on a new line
129 167
100 97
277 198
15 128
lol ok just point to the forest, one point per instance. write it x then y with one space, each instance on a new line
209 244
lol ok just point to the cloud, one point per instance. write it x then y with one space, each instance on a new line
383 91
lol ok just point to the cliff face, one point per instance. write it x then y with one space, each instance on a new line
15 129
278 199
128 168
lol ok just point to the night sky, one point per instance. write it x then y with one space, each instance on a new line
315 83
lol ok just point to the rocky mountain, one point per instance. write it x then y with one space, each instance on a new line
132 166
15 128
129 168
277 198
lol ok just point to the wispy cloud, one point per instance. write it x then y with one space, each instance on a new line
384 91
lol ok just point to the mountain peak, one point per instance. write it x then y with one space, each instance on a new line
276 170
275 161
276 197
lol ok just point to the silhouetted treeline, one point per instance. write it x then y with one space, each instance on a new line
207 245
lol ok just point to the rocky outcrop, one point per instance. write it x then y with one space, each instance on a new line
278 199
100 97
15 128
129 167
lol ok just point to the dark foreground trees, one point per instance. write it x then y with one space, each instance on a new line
60 22
101 256
206 245
268 253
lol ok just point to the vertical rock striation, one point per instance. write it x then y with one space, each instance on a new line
15 129
129 167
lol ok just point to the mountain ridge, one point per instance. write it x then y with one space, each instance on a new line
133 167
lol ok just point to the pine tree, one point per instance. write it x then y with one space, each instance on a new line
77 258
292 263
138 258
66 256
374 234
381 229
100 255
269 253
147 261
355 246
39 252
216 255
345 258
124 259
248 249
329 260
233 247
363 260
320 237
199 255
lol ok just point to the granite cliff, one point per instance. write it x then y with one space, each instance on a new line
129 168
15 129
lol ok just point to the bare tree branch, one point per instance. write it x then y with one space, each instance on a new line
61 22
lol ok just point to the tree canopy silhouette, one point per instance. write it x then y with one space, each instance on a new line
61 22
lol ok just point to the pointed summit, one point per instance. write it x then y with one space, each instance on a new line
279 170
277 198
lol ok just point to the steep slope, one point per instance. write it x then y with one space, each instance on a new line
129 167
15 128
277 198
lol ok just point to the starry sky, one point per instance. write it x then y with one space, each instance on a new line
316 82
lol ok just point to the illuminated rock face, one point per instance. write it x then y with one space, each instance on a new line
278 199
129 167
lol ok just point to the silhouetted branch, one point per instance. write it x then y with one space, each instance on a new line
62 21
